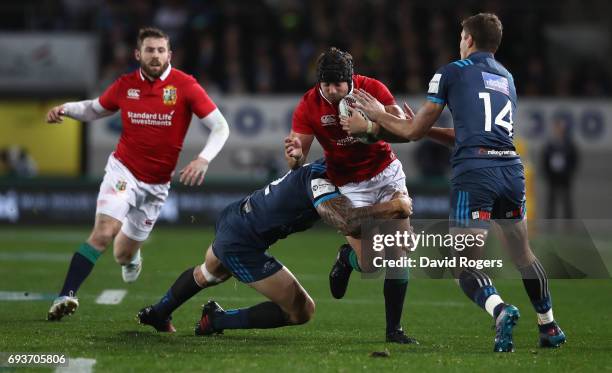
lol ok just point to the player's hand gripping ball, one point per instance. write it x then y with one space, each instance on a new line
343 109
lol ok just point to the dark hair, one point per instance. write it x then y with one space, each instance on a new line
486 30
335 65
151 32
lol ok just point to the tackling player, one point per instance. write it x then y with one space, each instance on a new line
365 173
488 180
156 103
244 232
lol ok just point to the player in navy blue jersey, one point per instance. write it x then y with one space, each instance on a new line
244 232
488 181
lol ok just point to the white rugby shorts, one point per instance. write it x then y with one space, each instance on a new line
129 200
378 189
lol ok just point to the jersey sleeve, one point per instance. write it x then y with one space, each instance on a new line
299 121
199 102
321 189
438 85
380 91
110 98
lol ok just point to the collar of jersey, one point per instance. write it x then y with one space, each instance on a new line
481 54
325 98
162 77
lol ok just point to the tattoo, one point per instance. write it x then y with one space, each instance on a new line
340 214
334 212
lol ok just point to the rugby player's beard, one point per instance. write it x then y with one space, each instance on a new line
154 74
335 99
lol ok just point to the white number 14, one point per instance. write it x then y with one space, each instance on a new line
499 119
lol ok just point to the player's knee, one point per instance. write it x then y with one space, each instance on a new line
305 312
204 278
309 310
303 315
524 259
100 238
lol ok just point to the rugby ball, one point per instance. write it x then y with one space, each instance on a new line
343 109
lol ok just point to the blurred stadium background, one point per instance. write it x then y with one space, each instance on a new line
256 58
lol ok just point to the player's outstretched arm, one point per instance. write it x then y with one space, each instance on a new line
417 127
297 146
409 129
339 213
444 136
85 111
385 135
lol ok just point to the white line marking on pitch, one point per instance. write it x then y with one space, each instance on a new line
77 365
24 295
111 296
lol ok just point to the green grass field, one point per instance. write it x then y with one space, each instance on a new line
455 335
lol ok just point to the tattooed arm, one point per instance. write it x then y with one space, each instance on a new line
340 213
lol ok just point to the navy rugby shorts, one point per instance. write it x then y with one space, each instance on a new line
239 250
482 194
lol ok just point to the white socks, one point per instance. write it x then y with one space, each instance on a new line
492 301
545 318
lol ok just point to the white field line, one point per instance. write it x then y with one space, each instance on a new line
24 296
111 297
77 365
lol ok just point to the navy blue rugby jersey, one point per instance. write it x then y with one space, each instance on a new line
481 97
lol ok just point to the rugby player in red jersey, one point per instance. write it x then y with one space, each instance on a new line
365 173
156 103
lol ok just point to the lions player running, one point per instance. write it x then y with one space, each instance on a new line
244 232
156 103
488 180
365 173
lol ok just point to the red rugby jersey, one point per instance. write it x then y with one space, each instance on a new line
348 159
155 117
